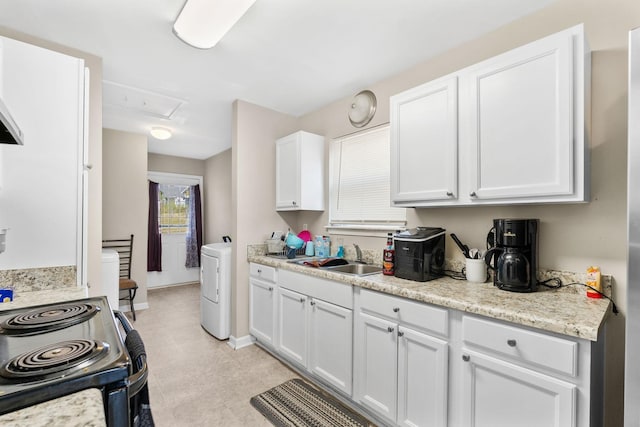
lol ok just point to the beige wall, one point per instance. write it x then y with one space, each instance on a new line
572 236
253 214
172 164
94 238
125 197
217 198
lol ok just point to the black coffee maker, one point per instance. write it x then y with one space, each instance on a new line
514 251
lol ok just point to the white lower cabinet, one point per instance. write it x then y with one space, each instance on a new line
292 326
413 364
401 374
331 343
315 323
497 393
262 304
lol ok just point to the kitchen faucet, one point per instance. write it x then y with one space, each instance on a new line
358 254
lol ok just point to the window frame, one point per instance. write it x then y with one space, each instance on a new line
177 179
374 228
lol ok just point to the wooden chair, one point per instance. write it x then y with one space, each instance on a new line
124 247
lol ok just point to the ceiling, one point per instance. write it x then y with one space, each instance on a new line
292 56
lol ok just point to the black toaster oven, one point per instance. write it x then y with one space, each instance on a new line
419 254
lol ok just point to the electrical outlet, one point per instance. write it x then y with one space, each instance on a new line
304 227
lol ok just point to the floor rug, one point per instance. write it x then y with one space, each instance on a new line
299 404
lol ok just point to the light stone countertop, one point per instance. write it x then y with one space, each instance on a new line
567 311
81 409
48 296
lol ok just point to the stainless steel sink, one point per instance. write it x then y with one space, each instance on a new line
355 269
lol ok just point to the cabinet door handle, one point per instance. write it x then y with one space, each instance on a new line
473 194
390 328
466 357
302 299
259 271
396 309
270 288
400 333
511 343
312 302
449 194
293 203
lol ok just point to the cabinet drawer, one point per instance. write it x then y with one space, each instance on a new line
263 272
337 293
418 315
548 351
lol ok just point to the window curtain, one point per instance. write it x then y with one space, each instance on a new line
154 242
194 230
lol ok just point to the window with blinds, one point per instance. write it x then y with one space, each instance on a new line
359 185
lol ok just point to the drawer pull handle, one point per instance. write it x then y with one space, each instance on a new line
396 309
466 357
302 299
390 328
400 333
259 271
511 343
270 288
449 194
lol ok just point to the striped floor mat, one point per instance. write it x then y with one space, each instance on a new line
298 404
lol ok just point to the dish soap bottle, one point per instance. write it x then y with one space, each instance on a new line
388 256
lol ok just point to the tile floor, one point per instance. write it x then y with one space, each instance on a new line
194 379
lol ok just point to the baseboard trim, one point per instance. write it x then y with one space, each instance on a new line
238 343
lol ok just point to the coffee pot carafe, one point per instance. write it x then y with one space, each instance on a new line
514 253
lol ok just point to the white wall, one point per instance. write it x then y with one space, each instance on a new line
125 198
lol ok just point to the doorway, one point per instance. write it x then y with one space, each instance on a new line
173 214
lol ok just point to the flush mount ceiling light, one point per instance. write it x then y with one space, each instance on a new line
202 23
160 133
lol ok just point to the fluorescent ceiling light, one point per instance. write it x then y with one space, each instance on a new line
160 133
203 23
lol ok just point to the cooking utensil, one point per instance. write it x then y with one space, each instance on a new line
464 248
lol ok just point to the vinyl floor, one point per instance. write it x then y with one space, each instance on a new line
194 379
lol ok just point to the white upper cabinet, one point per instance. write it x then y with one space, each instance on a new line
424 136
520 130
300 172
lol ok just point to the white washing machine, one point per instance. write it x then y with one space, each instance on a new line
215 289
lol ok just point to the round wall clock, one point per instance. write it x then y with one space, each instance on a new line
363 108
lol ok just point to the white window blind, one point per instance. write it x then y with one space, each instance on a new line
360 186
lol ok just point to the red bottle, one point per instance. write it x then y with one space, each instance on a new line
388 256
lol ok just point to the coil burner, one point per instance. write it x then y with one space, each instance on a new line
53 358
48 319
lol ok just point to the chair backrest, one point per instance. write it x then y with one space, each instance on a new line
124 247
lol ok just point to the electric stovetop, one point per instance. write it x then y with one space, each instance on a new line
52 350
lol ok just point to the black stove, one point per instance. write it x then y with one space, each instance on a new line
52 350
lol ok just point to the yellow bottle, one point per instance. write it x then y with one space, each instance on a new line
593 280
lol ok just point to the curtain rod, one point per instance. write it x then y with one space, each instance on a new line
361 130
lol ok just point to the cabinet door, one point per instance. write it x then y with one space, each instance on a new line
497 393
288 172
376 365
521 121
262 311
422 379
424 142
292 326
330 347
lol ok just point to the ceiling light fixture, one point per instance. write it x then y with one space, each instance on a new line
203 23
160 133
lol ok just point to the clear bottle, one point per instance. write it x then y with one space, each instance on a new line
388 257
326 241
319 246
